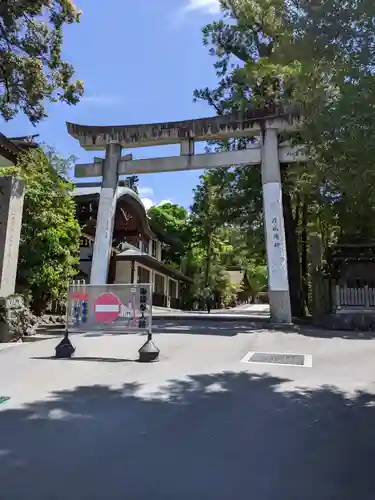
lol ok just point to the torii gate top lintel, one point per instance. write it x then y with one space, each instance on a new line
94 138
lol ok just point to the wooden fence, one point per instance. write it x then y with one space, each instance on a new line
362 297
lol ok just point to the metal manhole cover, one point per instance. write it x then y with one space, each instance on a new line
274 358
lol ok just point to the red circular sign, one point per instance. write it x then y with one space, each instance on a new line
107 308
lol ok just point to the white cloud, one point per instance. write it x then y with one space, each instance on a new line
146 194
146 191
147 202
209 6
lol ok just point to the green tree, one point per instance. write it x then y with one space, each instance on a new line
32 71
170 222
242 46
218 237
201 245
318 57
205 221
50 235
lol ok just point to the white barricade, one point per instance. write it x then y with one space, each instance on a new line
121 308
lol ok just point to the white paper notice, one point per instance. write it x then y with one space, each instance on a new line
275 237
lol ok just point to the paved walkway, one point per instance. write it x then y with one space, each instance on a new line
197 425
255 310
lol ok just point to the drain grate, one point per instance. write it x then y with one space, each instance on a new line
276 358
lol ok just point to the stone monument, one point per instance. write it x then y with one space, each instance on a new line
11 208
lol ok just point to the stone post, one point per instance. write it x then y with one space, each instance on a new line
11 208
106 216
278 285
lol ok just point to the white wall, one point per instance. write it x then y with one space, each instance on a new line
123 275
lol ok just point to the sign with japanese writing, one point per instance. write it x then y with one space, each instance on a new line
123 308
275 237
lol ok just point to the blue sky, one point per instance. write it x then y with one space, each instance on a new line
140 62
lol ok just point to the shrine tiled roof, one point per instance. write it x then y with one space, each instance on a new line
10 148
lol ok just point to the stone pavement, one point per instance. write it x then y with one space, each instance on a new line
197 425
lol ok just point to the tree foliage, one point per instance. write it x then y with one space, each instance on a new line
32 71
318 57
50 235
203 249
339 110
218 239
170 222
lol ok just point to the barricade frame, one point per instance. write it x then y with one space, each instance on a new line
121 325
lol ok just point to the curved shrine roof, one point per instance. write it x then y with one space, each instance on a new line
122 193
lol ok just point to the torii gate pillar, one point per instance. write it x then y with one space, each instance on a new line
106 216
278 284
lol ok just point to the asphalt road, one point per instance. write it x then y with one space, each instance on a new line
197 425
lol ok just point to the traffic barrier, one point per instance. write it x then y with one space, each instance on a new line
122 308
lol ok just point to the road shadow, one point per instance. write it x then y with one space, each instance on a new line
233 327
204 327
87 358
339 334
211 436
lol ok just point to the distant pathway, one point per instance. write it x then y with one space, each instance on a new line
255 310
251 309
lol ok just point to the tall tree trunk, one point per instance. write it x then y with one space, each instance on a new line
297 212
208 260
294 267
304 253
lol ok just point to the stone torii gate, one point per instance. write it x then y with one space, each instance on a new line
267 152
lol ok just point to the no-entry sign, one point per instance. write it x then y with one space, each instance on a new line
107 308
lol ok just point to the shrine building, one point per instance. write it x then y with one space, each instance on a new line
137 249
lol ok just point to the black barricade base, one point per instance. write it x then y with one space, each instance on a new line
65 348
148 353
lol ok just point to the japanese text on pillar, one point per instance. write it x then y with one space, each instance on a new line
275 233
